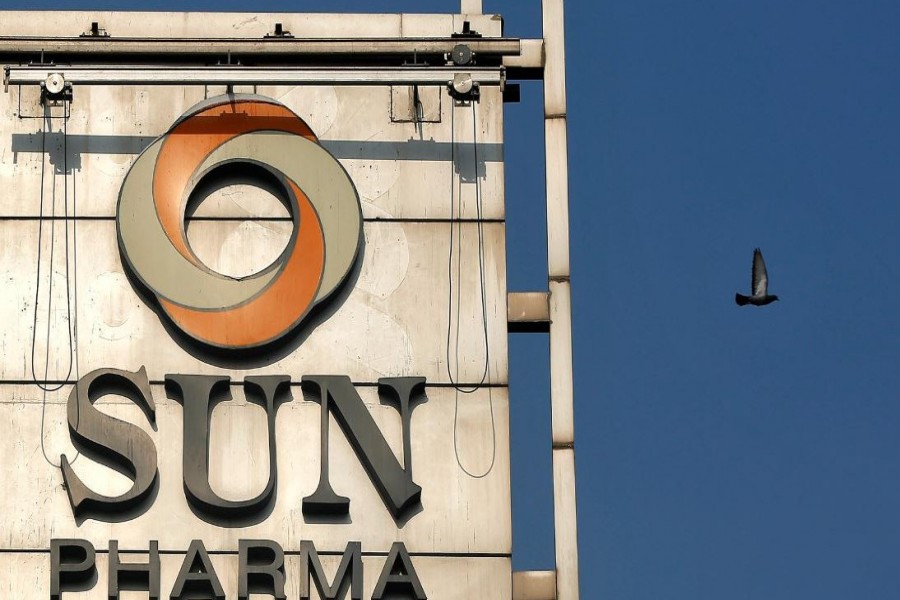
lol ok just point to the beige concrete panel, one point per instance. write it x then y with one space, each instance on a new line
460 513
244 25
411 104
422 25
400 169
565 524
561 378
443 578
414 25
393 322
107 129
557 166
198 24
403 170
324 25
489 25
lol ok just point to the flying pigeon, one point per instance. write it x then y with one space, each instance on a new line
759 284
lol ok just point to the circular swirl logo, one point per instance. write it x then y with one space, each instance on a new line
214 138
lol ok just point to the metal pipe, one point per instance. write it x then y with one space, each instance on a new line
368 47
105 75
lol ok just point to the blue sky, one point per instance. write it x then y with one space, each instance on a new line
723 452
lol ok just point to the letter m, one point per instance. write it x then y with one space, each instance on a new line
349 573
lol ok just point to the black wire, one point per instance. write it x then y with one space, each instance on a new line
37 287
450 257
479 208
74 314
73 306
69 323
480 227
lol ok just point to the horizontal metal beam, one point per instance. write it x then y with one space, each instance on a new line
106 75
530 56
16 46
534 585
528 64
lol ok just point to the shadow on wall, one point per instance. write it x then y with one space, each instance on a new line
463 152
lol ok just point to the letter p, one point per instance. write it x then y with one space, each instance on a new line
72 567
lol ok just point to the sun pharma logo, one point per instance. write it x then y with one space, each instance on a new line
212 140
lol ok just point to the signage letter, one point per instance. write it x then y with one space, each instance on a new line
197 576
133 576
399 576
115 443
351 563
72 567
195 392
260 569
336 393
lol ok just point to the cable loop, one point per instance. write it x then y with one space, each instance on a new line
487 357
71 324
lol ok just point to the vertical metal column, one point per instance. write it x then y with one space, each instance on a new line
561 380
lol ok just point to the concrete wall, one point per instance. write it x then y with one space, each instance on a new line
62 273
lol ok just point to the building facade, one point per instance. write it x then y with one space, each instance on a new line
256 317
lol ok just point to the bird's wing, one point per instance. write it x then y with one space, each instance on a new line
760 281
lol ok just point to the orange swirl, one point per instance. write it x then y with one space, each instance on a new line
189 142
267 316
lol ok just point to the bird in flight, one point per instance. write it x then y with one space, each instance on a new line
759 284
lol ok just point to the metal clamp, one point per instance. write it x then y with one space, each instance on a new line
280 32
95 31
467 31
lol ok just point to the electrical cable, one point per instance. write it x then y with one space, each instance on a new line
42 384
37 288
480 228
74 315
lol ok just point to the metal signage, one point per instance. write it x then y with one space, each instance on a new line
212 140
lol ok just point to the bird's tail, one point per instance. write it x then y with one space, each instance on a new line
741 300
